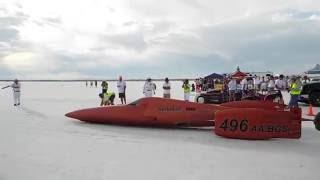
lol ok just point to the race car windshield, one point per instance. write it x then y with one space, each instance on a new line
134 103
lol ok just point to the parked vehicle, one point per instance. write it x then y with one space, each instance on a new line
215 97
218 97
311 93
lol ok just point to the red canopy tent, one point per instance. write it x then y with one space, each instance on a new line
238 74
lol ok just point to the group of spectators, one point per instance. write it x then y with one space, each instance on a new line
149 88
247 85
266 85
256 83
107 97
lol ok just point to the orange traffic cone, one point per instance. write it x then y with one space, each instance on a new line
310 113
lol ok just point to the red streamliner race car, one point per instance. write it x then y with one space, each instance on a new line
248 119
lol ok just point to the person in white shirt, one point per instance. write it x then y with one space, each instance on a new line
244 85
256 83
232 87
280 83
121 85
149 88
271 84
264 85
166 88
250 83
16 87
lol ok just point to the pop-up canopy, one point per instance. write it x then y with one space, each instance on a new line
214 76
238 74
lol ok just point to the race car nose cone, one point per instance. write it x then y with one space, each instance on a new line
80 114
72 114
89 115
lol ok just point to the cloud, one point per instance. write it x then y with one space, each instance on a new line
132 41
179 38
8 34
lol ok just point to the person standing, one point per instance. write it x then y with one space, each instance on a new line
294 90
280 83
271 84
256 83
16 87
250 85
121 85
244 86
193 88
198 88
232 87
186 90
96 83
149 88
166 88
263 86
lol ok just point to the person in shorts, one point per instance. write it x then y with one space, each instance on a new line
166 88
121 85
232 87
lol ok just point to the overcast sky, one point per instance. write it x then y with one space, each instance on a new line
66 39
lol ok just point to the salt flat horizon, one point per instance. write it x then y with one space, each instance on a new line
83 80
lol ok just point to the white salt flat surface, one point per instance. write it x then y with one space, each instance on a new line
37 142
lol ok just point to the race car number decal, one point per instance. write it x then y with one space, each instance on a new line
235 125
243 126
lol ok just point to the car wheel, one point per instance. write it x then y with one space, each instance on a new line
315 98
200 99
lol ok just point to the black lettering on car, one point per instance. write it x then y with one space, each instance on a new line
190 109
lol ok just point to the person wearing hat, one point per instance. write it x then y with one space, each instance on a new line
166 88
149 88
16 87
294 90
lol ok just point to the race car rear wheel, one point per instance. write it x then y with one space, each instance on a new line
200 99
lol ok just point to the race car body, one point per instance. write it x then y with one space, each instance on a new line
239 119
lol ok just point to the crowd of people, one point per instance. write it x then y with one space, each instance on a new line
266 85
148 90
245 86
